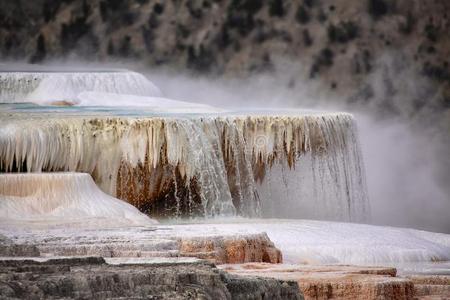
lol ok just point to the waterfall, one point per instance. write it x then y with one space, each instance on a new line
199 164
327 183
50 87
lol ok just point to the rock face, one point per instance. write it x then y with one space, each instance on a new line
81 278
335 282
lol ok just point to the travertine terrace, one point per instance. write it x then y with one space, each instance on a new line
193 164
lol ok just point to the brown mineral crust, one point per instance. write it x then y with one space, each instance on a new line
232 250
356 286
62 103
158 191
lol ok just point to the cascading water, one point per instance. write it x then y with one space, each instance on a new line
323 183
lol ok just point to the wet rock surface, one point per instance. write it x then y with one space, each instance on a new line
92 277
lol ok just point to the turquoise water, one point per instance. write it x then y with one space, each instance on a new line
143 111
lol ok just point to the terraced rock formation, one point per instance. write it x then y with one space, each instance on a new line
91 277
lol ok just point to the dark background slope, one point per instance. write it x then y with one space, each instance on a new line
339 43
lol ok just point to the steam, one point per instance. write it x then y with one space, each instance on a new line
403 172
405 153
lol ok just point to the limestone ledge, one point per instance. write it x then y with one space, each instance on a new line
224 249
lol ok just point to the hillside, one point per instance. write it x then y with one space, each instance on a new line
394 53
